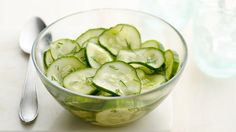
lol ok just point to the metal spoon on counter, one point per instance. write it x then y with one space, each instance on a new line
28 111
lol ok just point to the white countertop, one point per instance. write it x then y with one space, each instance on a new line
200 103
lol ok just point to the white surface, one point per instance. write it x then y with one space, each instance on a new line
200 103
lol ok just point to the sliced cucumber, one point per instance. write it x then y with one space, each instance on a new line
143 67
80 81
112 117
122 36
117 78
83 103
86 115
96 55
153 43
91 40
62 67
151 57
81 55
63 47
48 58
108 62
150 82
89 34
171 63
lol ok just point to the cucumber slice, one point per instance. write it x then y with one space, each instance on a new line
62 67
112 117
48 58
150 82
143 67
63 47
86 115
82 103
89 34
91 40
81 55
122 36
171 63
96 55
151 57
80 81
153 43
117 78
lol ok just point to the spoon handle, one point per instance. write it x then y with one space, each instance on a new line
29 102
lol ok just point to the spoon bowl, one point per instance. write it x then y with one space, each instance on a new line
29 33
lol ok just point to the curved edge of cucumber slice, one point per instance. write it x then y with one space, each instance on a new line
80 81
105 90
150 82
117 78
91 40
63 47
113 117
62 67
81 55
152 43
95 32
151 57
96 55
121 36
104 94
47 58
171 63
84 114
146 68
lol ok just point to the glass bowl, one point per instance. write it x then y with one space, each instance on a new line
109 111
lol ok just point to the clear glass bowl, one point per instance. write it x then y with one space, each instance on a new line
109 111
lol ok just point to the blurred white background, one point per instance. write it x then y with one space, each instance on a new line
178 11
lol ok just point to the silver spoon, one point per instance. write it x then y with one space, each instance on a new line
29 102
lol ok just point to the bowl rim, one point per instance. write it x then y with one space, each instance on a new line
162 86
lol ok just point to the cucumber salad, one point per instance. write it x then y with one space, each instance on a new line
110 62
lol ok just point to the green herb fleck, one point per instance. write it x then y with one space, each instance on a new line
114 110
136 80
89 80
117 91
71 70
113 67
60 43
73 82
121 28
133 109
94 59
74 49
123 83
58 46
53 78
58 68
150 60
82 58
128 44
